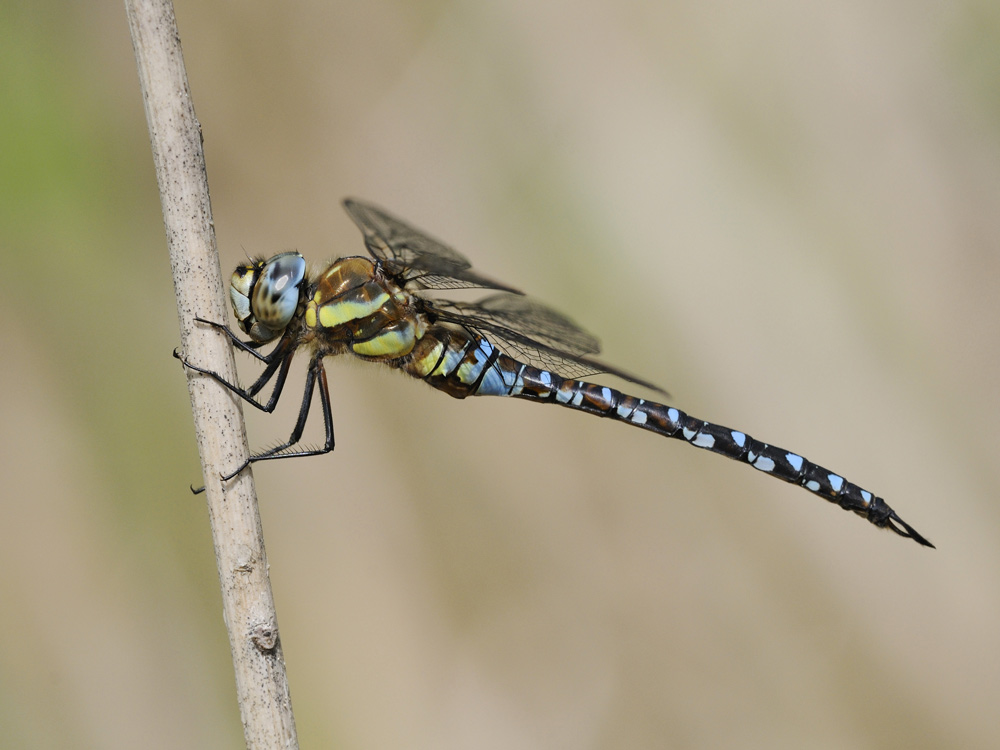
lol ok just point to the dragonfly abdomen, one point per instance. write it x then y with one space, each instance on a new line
459 363
480 370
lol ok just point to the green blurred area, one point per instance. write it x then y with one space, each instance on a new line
97 418
786 215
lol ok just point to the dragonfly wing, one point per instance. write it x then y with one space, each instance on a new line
533 333
413 255
527 317
527 330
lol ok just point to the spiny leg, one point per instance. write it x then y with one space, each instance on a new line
316 372
280 360
250 347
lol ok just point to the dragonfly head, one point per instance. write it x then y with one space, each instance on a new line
265 294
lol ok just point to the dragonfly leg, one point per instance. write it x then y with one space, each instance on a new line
316 373
250 347
276 364
279 361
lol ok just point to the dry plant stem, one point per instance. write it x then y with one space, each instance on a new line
248 606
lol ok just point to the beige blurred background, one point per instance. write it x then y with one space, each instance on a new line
785 213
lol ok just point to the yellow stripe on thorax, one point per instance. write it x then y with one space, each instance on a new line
394 340
355 304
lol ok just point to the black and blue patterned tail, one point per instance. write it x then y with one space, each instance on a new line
463 364
672 422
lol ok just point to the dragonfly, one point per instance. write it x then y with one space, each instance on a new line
384 308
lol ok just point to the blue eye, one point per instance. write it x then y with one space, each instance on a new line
266 296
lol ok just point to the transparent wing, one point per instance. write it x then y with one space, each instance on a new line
531 332
412 255
526 330
511 313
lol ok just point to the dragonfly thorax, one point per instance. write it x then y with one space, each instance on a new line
355 306
265 294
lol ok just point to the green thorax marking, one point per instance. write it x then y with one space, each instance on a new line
354 304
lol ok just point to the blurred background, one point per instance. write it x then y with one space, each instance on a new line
785 213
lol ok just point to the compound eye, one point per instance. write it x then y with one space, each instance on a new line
276 293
